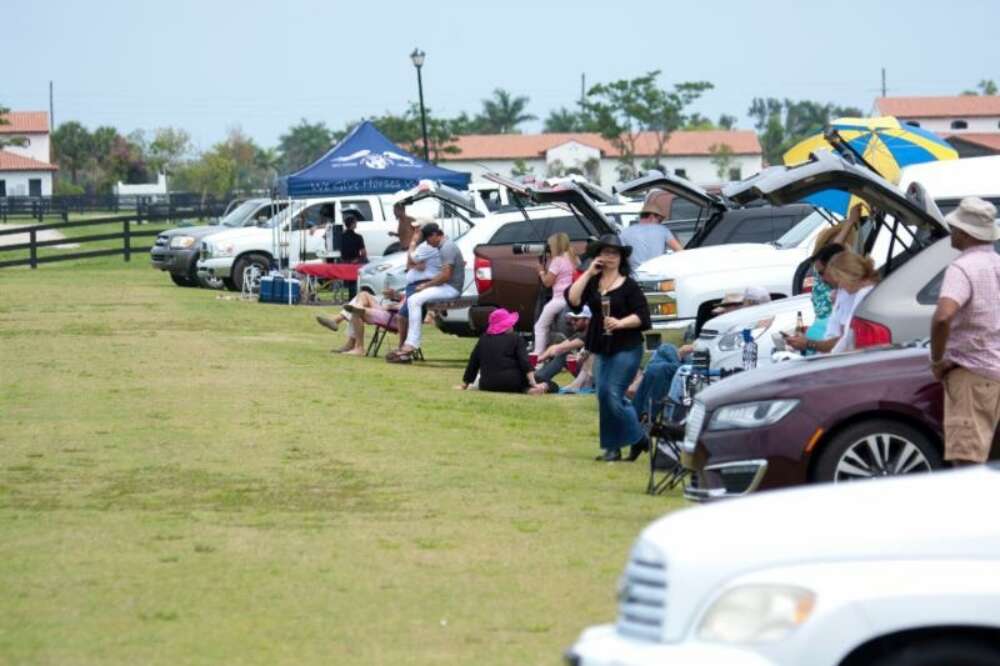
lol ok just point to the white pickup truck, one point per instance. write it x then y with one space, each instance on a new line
891 572
295 235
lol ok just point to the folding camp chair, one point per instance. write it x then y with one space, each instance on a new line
665 437
375 345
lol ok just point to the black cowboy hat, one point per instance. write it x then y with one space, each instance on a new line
608 240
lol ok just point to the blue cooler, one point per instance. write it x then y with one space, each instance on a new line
275 289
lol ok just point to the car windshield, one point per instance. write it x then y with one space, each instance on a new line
238 215
801 231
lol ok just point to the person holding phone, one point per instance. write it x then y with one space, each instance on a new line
614 338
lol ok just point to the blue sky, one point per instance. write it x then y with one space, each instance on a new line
209 65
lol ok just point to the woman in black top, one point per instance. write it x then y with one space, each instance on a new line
500 358
615 339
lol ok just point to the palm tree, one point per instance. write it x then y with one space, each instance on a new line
503 113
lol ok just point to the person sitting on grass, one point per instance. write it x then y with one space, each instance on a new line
362 309
500 359
555 356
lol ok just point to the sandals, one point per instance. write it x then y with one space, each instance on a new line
399 356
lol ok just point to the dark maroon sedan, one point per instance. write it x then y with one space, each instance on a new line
828 418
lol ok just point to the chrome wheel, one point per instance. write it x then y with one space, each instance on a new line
880 454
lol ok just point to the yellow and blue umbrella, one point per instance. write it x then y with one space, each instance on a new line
885 145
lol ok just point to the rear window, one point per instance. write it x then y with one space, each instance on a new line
682 209
756 229
537 231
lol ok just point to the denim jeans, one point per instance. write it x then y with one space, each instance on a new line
619 424
656 378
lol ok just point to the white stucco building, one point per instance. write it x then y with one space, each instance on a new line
26 170
689 154
945 115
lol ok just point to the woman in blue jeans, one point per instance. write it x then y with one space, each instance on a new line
614 337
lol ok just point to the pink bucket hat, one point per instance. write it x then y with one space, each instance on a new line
501 321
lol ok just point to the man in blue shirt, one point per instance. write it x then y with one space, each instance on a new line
649 237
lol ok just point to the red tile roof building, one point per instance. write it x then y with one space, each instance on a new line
26 170
945 115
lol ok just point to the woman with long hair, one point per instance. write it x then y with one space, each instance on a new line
614 338
854 276
558 276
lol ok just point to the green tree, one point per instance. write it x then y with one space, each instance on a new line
405 130
567 120
625 109
503 113
781 124
722 158
73 148
9 140
985 87
521 168
303 144
169 148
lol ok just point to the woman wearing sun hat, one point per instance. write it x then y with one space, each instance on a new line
614 337
500 358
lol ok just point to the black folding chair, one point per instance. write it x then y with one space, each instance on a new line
665 437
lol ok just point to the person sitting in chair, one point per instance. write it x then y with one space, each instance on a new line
363 309
448 283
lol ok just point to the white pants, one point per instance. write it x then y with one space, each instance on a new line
545 319
415 306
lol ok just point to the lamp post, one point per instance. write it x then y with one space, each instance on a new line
418 61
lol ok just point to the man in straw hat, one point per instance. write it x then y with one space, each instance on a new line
965 334
649 237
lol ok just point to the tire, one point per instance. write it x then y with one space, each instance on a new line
229 284
209 282
874 449
943 652
392 248
183 280
244 262
800 276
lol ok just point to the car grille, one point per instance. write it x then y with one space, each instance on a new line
695 421
642 594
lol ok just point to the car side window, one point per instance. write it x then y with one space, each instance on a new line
932 290
308 218
782 223
364 206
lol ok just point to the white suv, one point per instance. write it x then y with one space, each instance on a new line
894 572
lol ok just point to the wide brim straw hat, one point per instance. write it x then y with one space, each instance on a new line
501 321
976 217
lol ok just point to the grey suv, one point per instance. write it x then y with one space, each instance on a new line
176 250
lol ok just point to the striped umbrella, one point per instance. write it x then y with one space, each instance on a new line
884 144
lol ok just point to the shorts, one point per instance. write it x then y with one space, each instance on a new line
410 289
971 414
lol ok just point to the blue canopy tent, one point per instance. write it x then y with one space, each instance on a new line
365 162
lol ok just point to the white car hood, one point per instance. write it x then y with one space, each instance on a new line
718 258
921 516
755 313
237 235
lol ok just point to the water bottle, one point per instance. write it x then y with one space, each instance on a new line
749 350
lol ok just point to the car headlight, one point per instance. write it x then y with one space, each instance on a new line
757 614
751 414
181 242
733 338
222 250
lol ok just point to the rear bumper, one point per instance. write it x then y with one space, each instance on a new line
603 646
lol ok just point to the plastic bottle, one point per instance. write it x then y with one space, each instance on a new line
749 350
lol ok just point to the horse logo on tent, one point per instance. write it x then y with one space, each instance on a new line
374 160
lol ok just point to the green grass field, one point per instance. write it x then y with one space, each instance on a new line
191 480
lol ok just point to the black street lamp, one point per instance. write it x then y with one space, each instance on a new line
418 61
